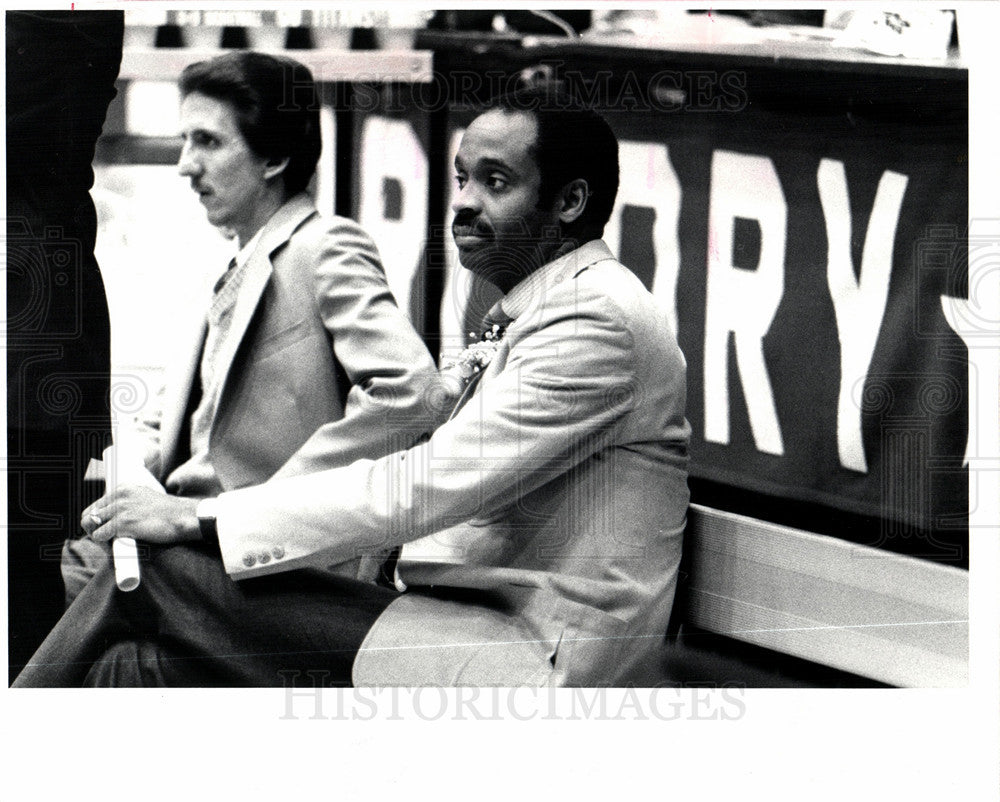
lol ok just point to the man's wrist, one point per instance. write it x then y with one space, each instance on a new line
206 514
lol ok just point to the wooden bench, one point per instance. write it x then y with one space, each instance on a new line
891 618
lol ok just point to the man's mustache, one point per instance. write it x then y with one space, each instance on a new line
466 224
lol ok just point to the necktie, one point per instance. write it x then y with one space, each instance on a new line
223 292
496 317
223 300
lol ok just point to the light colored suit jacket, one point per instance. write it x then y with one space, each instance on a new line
547 513
321 367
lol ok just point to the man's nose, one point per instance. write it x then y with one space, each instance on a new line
187 164
466 199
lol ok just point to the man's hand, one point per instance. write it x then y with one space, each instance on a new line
142 513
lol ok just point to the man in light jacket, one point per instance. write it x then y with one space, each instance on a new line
300 360
540 526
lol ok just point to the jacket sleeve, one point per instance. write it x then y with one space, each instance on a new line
562 392
388 367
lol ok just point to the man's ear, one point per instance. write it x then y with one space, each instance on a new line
573 200
275 167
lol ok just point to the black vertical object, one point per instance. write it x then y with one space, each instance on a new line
343 105
434 249
61 71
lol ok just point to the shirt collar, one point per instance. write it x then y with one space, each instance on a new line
244 253
531 290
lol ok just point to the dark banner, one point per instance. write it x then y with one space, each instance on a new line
818 268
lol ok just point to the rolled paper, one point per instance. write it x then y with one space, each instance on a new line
126 558
123 465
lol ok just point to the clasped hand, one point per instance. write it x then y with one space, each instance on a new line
142 513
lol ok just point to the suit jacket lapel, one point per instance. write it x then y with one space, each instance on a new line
525 297
176 399
276 233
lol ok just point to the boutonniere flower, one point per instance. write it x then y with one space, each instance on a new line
477 356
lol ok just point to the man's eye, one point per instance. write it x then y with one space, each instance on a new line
460 180
204 140
496 182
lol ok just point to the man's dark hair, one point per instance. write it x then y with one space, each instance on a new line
573 142
276 103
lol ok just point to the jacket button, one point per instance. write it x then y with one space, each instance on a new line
278 552
264 557
249 560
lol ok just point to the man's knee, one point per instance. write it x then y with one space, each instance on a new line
178 565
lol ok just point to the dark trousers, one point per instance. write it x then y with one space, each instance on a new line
45 496
189 624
